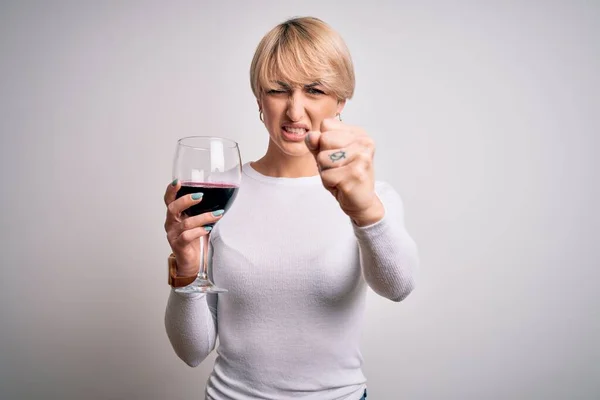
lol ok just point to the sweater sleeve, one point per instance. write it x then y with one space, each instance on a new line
191 324
388 254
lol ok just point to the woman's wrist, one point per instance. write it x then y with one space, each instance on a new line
370 216
186 269
176 277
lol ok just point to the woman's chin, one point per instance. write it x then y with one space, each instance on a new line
296 152
293 149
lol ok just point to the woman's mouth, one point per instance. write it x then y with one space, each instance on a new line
294 134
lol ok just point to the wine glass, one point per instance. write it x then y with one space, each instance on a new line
211 165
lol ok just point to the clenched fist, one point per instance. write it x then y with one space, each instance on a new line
344 155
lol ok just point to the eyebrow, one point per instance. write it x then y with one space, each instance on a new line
283 84
310 85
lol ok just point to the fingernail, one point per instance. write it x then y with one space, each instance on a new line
208 228
307 140
197 196
218 213
174 183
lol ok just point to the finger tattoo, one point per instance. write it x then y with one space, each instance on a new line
337 156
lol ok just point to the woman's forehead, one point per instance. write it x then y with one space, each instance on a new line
298 73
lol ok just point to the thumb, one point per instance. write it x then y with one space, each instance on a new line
312 141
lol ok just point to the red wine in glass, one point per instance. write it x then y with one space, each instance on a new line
217 196
212 166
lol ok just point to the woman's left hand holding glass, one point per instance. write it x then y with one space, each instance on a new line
344 155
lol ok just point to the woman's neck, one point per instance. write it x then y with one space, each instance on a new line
276 164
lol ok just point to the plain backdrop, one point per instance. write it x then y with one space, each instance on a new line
486 117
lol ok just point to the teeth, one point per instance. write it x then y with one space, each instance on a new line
295 131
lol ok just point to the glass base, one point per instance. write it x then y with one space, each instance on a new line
201 286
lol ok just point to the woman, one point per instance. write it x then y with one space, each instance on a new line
296 260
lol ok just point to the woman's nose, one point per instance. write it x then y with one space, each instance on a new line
295 106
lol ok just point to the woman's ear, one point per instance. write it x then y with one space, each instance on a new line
340 106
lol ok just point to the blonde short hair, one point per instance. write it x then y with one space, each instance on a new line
301 51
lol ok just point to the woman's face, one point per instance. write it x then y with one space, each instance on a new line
290 112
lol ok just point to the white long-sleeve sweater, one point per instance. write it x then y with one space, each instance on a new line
297 271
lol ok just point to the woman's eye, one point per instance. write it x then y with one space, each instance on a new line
315 91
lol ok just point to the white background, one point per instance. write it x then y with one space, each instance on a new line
486 116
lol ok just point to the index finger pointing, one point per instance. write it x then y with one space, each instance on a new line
171 192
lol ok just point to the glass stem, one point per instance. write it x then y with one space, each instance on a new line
203 273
